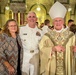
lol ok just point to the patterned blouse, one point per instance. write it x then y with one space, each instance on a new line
9 53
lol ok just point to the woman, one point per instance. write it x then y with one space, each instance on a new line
11 52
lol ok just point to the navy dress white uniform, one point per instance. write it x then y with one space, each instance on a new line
30 39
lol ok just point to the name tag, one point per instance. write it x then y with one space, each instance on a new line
25 34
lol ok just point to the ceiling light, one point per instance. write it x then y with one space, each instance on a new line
69 9
38 8
7 7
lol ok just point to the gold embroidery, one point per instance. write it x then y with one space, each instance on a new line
60 39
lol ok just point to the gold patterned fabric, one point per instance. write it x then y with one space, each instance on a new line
60 60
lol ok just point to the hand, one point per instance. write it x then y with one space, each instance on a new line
74 48
11 70
62 48
59 48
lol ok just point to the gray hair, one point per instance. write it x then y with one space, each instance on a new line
31 12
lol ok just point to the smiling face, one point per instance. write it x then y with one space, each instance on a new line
58 23
12 27
31 19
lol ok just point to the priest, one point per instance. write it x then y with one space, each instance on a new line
56 46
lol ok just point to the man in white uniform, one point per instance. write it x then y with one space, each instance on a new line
30 36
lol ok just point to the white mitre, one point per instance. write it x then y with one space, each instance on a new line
57 10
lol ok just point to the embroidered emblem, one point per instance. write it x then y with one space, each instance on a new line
38 33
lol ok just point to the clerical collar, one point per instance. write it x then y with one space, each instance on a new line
59 30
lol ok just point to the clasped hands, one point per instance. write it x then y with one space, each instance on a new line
58 48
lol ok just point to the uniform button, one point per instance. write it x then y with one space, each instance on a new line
24 39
